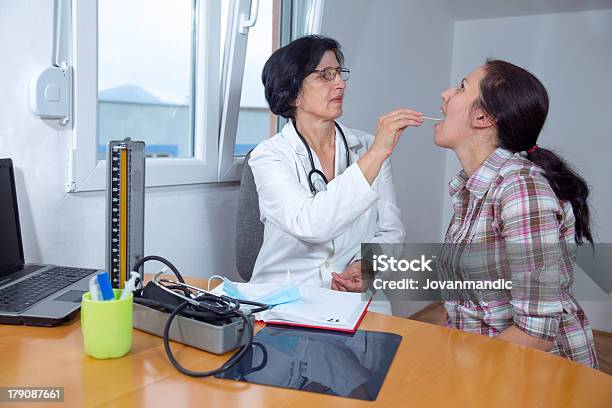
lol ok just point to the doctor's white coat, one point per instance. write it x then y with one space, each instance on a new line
314 236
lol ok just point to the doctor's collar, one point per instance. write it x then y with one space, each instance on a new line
289 131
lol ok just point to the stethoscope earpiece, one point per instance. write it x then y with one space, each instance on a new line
314 170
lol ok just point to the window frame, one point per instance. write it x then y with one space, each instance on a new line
230 166
214 127
86 172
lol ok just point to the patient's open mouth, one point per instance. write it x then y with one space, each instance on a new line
441 119
438 120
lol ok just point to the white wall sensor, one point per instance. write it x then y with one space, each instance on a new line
51 93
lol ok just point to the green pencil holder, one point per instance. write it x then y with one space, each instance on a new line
107 325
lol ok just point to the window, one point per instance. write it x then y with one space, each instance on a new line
244 122
245 119
145 75
254 117
182 75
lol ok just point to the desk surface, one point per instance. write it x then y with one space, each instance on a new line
434 366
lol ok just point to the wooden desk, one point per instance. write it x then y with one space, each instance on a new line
434 366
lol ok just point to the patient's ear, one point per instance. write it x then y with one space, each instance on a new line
481 119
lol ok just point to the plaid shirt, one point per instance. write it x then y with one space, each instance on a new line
523 233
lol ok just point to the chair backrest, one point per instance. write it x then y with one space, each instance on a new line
249 228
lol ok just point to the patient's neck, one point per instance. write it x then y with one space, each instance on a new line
472 157
319 133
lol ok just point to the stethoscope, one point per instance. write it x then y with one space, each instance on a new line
314 170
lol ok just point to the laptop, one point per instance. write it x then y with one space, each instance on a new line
32 294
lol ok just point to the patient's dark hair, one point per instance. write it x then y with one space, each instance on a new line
518 102
286 69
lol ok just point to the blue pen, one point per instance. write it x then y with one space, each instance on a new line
105 286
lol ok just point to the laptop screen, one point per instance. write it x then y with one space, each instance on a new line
10 238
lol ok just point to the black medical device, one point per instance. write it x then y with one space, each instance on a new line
314 170
125 195
207 315
170 309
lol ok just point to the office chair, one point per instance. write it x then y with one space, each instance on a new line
249 228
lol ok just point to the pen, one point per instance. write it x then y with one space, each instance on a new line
105 286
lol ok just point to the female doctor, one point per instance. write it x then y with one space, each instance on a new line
323 188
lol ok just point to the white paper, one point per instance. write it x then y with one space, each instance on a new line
318 306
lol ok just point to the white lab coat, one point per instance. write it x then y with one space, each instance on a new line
314 236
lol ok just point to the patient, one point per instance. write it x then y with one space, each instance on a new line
523 207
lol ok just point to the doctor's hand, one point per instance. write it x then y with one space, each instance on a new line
356 278
390 127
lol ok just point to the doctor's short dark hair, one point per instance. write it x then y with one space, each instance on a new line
285 70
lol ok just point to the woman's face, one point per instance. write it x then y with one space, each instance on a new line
459 117
319 98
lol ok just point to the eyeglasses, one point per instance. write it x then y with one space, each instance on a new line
329 73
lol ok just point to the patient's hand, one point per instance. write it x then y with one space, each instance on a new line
351 280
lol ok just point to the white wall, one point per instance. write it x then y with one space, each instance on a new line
192 226
399 53
571 53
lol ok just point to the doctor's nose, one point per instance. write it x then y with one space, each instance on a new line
339 83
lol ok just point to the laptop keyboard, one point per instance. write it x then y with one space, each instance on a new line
24 294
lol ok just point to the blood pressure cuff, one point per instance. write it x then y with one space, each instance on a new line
154 297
